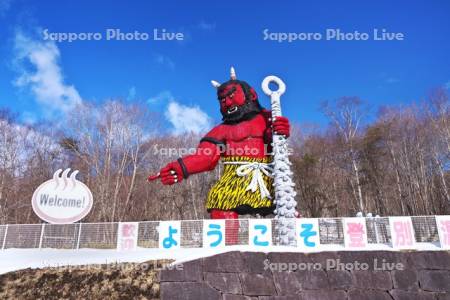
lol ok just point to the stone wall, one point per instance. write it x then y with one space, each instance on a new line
321 276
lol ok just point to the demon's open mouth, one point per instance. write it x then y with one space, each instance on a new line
232 110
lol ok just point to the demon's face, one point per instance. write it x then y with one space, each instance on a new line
237 104
230 98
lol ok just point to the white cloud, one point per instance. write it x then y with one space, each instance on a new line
165 61
164 96
37 63
187 118
206 26
131 93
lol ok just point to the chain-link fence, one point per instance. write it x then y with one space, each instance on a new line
105 235
425 229
60 236
23 236
331 231
378 231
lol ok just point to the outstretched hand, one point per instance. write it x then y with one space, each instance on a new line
170 174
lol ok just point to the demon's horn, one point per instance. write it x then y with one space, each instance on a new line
215 84
232 74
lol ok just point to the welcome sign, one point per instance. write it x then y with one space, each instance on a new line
62 199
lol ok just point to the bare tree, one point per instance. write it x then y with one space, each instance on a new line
346 115
398 164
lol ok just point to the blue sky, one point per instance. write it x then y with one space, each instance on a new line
42 79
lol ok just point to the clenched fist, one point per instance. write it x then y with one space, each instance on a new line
281 126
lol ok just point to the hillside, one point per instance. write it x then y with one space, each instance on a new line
113 281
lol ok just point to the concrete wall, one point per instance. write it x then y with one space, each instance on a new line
321 276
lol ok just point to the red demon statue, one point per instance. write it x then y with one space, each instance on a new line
243 141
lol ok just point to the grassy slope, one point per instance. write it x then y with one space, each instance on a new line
115 281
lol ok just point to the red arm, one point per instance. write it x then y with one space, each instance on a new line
204 159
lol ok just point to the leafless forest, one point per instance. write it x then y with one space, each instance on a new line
388 161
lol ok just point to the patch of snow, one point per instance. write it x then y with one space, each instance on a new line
17 259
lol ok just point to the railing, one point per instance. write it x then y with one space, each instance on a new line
312 234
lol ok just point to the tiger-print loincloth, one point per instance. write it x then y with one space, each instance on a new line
230 191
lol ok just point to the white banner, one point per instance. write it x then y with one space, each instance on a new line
355 233
402 233
307 233
213 233
169 235
127 236
260 232
443 225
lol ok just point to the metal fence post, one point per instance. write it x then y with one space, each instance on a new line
79 235
4 237
42 235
